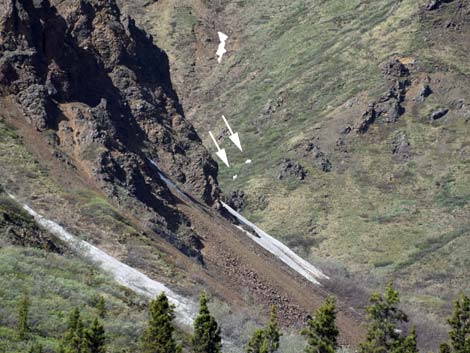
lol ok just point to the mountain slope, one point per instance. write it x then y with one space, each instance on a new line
356 117
90 127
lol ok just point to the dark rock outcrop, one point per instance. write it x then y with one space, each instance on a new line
424 92
440 113
435 4
395 68
19 228
366 120
389 106
237 200
320 159
401 146
76 68
290 168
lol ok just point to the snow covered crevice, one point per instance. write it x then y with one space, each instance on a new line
169 183
122 273
274 246
278 249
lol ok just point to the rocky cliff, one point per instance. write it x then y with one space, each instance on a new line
92 84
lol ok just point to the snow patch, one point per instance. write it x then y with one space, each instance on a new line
122 273
169 183
278 249
274 246
221 49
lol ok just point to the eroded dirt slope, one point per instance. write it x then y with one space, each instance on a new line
86 104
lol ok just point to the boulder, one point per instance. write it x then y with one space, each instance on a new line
291 168
395 68
438 114
423 93
237 200
401 146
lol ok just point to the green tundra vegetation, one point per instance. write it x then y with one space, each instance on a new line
386 332
300 72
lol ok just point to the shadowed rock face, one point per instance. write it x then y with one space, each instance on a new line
100 86
18 228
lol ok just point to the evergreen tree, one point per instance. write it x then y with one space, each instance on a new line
72 325
444 348
23 314
158 336
409 344
73 338
384 316
206 337
273 335
256 341
321 331
76 342
266 340
101 307
94 338
460 328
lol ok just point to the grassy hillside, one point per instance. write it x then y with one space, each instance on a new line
56 285
56 282
302 72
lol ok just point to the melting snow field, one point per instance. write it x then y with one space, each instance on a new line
278 249
274 246
122 273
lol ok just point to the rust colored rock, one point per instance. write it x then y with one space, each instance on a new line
98 83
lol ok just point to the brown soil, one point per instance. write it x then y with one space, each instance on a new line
235 269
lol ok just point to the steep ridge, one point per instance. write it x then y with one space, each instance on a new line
89 104
101 93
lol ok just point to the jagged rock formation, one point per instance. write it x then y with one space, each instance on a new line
291 168
389 105
435 4
96 82
237 200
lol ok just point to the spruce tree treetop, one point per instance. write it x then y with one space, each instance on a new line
266 340
384 318
73 319
256 341
101 307
73 336
460 328
273 335
158 336
321 331
94 340
207 338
